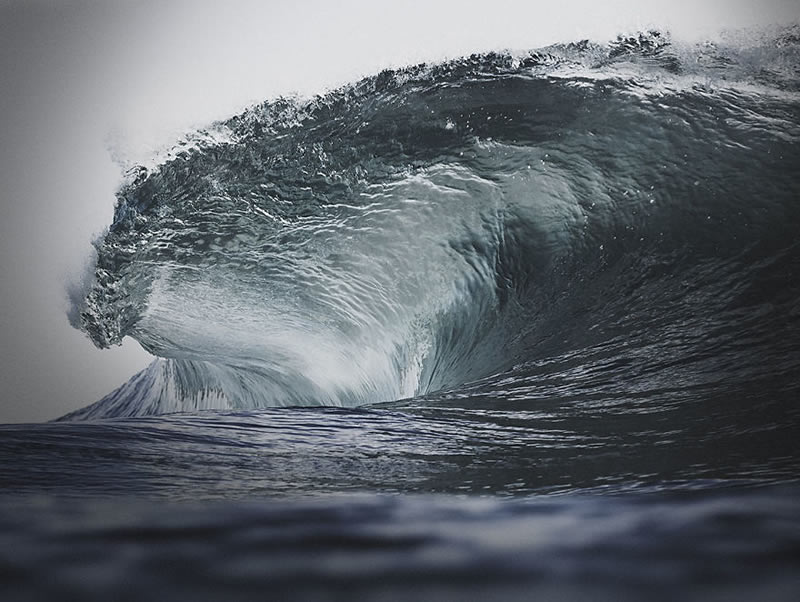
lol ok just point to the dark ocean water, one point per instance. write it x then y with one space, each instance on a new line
514 326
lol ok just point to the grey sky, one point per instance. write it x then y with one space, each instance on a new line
81 81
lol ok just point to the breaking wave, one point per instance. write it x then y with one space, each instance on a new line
616 221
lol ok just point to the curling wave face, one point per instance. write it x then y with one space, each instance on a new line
615 222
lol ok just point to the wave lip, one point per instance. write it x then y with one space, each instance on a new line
444 224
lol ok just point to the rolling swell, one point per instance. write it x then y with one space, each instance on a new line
613 224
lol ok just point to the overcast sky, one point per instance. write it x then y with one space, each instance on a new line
84 81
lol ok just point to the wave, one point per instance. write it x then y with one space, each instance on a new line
581 219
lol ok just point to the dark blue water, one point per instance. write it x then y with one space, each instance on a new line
307 503
507 327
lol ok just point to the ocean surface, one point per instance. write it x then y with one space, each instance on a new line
521 325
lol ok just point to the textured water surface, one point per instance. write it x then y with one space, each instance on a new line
516 324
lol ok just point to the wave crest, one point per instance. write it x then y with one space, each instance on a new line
440 224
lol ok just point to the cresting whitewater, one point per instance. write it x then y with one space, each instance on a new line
546 304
